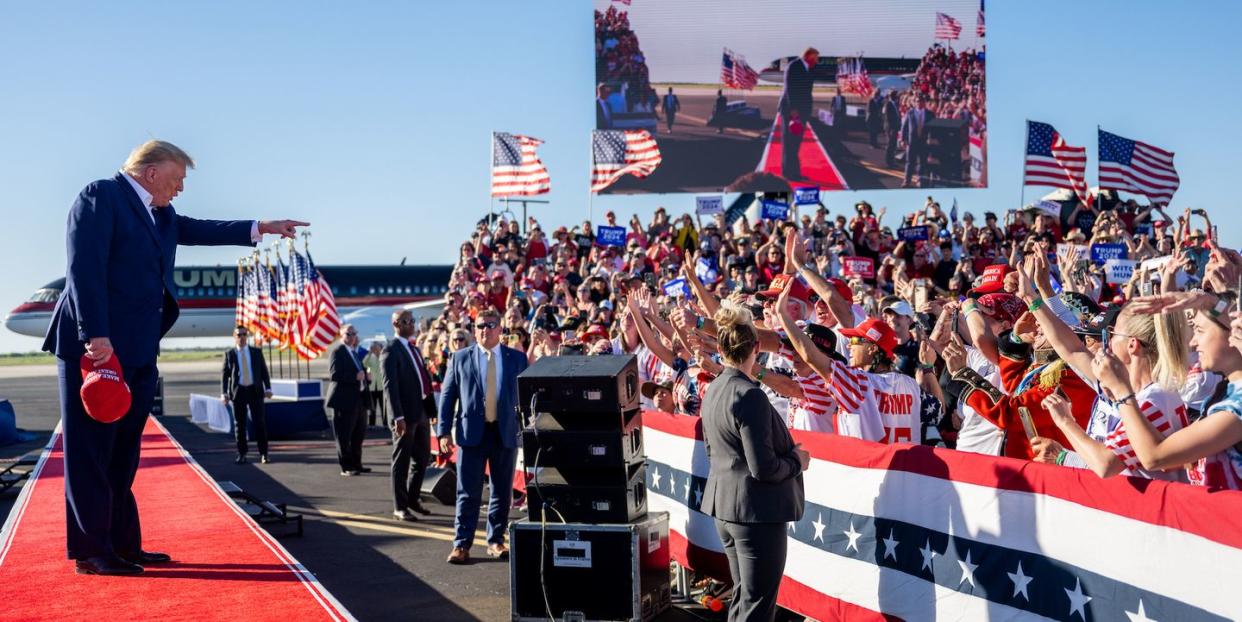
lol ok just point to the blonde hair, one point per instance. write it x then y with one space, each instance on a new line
1164 338
735 332
155 152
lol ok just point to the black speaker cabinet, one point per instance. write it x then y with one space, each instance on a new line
949 147
440 484
586 500
590 572
584 389
586 451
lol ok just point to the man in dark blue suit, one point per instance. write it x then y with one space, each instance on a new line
914 133
482 381
118 301
799 81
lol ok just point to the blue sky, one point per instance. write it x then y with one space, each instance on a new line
372 120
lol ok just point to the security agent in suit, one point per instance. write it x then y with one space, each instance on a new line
478 401
603 114
671 106
754 481
914 133
245 383
119 300
346 379
799 80
892 126
875 118
408 395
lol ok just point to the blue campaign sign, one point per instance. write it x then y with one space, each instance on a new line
775 210
1143 229
610 236
677 287
708 206
806 196
912 234
1101 253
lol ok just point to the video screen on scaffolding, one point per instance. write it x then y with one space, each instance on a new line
765 96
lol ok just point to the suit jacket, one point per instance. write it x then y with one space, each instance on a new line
911 132
344 390
119 280
230 379
892 115
403 386
603 118
754 475
799 79
465 385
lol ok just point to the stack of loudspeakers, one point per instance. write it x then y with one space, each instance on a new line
949 148
589 550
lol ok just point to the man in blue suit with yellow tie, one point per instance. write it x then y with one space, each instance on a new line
478 405
122 239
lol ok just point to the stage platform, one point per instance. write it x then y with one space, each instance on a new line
226 567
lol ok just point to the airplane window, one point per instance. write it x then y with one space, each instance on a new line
200 291
352 290
45 295
371 290
407 289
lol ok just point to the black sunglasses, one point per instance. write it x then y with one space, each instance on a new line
487 325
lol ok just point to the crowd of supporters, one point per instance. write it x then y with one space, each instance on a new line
953 84
998 335
619 60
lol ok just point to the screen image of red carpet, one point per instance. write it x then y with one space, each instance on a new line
817 167
225 566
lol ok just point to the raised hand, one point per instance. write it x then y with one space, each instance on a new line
954 355
1111 373
1059 408
1046 450
1172 301
794 249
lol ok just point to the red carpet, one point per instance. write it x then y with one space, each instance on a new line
817 167
226 568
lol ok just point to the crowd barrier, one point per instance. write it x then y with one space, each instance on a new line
919 533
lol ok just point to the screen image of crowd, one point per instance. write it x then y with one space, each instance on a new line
1004 334
870 130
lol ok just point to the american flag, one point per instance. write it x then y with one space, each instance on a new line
318 320
295 287
979 29
735 73
852 77
1050 161
239 306
516 168
269 297
251 301
1137 167
947 27
615 153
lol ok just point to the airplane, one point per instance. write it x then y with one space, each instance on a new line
365 296
826 68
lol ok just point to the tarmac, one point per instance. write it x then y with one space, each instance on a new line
379 568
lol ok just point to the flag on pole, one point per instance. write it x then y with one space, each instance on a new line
1050 161
735 73
947 27
953 212
320 320
979 29
298 278
615 153
516 168
239 305
252 301
1137 167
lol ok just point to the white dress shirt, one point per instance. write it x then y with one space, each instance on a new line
480 353
146 199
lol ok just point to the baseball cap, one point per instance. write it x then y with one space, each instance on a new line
649 388
800 291
876 331
824 338
993 279
843 288
1083 307
595 331
105 395
901 307
1095 325
1002 306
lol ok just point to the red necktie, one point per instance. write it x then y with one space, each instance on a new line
423 376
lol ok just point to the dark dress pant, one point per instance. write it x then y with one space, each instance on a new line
350 428
248 402
410 454
756 553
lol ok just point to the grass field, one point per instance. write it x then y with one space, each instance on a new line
43 358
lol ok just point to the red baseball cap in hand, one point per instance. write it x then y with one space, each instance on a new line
105 396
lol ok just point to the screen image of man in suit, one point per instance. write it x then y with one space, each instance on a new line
412 406
245 384
346 379
754 479
914 133
478 406
892 127
670 105
119 300
875 118
603 114
799 80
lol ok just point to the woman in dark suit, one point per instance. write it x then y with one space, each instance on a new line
754 485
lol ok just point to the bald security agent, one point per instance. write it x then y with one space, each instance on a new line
411 402
119 300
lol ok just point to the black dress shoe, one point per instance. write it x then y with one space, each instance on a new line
108 565
363 470
264 459
348 473
240 460
405 515
144 558
418 507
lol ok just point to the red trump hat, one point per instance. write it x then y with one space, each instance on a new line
105 396
993 279
876 331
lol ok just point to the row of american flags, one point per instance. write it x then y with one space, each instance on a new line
1125 164
289 306
518 171
947 27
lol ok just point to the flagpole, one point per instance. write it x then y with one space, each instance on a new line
280 325
1025 142
590 193
306 250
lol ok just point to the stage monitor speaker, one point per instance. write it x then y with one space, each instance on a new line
440 484
571 499
581 390
585 452
590 572
949 147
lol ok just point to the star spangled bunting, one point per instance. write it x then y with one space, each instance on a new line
1137 167
1050 161
516 168
615 153
947 27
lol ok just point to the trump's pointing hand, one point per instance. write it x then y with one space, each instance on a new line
283 228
